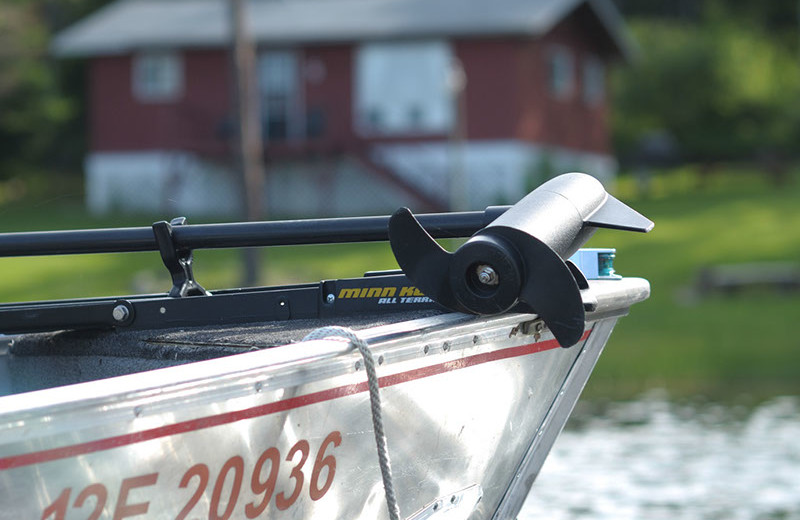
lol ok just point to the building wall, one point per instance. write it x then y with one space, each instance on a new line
168 182
507 97
517 133
174 183
328 79
487 172
196 121
569 122
493 92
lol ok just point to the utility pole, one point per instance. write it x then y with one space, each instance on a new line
250 144
458 179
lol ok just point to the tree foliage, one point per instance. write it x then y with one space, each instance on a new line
41 98
723 88
32 109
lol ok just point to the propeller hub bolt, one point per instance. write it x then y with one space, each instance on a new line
487 275
120 313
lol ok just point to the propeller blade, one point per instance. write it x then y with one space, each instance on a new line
421 258
550 289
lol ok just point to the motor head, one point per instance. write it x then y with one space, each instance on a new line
517 261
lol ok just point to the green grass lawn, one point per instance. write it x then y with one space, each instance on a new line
722 347
726 347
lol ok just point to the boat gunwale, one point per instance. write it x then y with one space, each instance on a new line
240 372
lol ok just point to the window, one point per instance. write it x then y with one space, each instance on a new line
560 72
157 76
278 81
594 81
401 88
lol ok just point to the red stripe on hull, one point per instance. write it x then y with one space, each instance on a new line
27 459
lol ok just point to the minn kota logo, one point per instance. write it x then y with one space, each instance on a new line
386 295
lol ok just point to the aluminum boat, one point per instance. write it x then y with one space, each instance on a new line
434 392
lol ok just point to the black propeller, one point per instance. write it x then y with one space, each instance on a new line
519 259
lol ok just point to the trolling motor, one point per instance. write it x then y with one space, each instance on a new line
519 260
513 261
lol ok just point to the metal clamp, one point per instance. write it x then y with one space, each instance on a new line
177 260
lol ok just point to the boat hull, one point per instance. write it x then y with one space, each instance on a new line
471 407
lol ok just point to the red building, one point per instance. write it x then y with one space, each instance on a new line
366 104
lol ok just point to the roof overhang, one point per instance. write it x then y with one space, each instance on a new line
127 25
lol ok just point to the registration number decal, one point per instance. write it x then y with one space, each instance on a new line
237 489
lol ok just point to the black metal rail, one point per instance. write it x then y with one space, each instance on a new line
241 234
189 304
384 293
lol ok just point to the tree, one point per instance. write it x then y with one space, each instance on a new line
723 88
32 109
42 121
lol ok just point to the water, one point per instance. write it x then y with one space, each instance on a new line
652 459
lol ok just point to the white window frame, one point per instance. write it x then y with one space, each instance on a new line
157 76
594 81
281 89
403 112
560 72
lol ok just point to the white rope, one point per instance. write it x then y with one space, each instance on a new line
375 404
